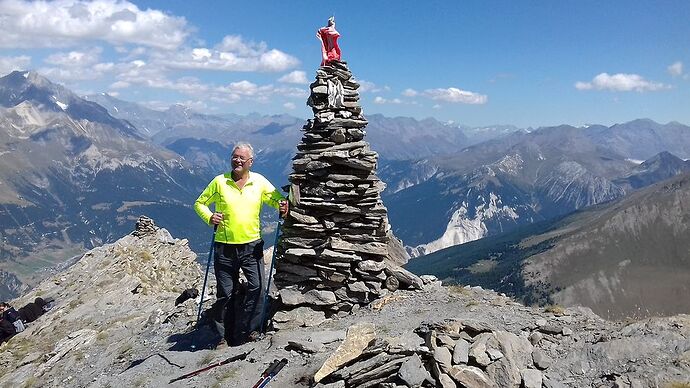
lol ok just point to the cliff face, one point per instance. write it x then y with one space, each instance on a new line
115 324
626 259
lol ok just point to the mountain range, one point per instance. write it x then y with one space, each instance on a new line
73 176
77 170
509 182
626 258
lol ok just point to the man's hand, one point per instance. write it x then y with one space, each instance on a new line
283 208
216 218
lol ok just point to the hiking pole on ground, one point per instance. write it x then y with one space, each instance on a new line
270 275
270 372
208 265
240 356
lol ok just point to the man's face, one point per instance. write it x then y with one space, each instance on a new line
241 160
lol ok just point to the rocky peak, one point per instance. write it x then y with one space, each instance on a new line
112 301
661 160
18 87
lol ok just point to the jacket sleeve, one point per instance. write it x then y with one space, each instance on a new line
271 196
208 196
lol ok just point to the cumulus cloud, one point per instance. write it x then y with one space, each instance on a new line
119 85
676 69
10 64
236 91
381 100
62 23
295 77
620 83
456 95
289 105
73 74
410 93
76 66
370 87
75 58
232 54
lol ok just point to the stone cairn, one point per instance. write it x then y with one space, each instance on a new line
334 244
144 227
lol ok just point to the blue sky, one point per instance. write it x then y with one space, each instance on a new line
527 63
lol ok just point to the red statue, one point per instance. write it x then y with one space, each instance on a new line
329 42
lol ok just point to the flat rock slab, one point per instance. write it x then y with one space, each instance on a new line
357 339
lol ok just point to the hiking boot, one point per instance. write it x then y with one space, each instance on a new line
253 336
222 344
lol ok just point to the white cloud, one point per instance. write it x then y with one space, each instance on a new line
381 100
119 85
9 64
62 23
295 77
367 86
289 105
77 73
76 66
232 54
676 69
456 95
620 83
75 58
236 91
410 93
196 105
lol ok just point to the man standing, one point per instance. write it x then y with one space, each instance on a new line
238 197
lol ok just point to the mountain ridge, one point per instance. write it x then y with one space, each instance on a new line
623 258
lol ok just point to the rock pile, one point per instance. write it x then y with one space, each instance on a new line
332 255
465 353
144 226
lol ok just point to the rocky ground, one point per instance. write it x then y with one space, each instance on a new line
115 324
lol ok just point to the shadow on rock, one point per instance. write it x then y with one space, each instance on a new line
200 338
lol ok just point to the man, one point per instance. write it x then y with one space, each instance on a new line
238 196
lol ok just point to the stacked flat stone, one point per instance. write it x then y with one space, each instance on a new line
334 242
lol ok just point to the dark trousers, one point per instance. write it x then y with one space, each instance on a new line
228 260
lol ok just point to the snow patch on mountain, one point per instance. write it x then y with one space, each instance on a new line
462 229
62 105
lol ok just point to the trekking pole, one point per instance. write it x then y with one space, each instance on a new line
208 265
270 275
270 372
240 356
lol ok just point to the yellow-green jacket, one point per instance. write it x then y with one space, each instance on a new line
240 208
